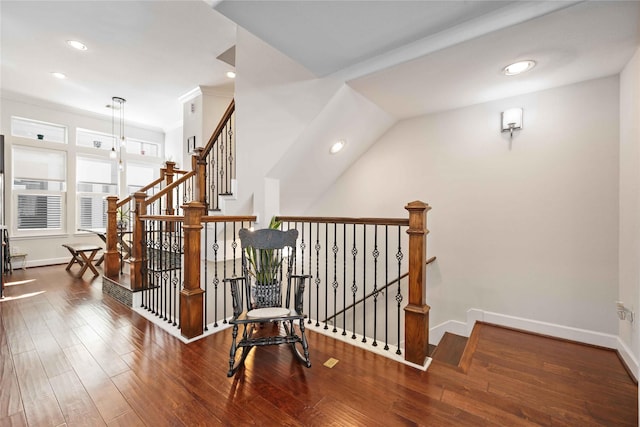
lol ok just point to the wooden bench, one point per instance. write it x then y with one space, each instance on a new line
15 253
79 255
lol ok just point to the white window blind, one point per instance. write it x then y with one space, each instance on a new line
96 179
39 185
139 175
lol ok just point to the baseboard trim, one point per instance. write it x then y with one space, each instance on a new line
628 360
535 326
46 262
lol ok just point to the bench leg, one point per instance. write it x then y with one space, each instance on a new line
74 259
88 263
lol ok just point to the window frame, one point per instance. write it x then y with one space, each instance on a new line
17 192
93 195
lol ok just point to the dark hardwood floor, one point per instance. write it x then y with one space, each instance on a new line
71 356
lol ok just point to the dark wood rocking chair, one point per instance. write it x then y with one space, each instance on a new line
268 257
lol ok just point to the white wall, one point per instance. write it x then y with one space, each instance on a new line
287 120
48 250
527 227
201 113
629 292
174 147
276 99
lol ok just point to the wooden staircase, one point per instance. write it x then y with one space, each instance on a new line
454 350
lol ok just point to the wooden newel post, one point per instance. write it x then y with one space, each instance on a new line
416 331
200 166
168 175
191 296
111 255
137 250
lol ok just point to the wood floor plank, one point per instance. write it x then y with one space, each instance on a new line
33 381
51 355
106 397
16 420
44 412
128 419
75 403
10 398
87 354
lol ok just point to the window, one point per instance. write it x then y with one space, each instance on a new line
97 178
33 129
139 175
145 148
90 138
39 185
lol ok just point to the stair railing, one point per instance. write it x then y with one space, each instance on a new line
217 162
354 258
123 237
374 293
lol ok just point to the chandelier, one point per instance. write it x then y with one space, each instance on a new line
117 103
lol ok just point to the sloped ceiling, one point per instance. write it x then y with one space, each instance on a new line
418 57
409 57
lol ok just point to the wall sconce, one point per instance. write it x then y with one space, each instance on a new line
511 120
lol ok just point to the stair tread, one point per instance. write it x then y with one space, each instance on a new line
450 349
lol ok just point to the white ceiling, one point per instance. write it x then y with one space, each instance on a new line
409 57
149 52
328 36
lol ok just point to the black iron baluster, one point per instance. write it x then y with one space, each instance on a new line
326 273
206 273
211 183
399 294
221 160
178 277
354 287
335 276
166 282
216 279
364 283
176 254
302 246
234 245
224 268
317 278
154 295
230 153
375 254
145 291
386 293
344 279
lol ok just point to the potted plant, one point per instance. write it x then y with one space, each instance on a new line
264 265
122 218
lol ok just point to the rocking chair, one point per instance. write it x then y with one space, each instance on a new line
268 257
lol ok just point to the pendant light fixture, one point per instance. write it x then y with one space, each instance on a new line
117 103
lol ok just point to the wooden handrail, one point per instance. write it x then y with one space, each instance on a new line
152 184
216 133
394 281
216 218
123 202
170 187
341 220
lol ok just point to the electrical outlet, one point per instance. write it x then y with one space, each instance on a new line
624 313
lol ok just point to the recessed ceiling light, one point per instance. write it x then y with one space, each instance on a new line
337 146
518 67
59 75
231 74
76 44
